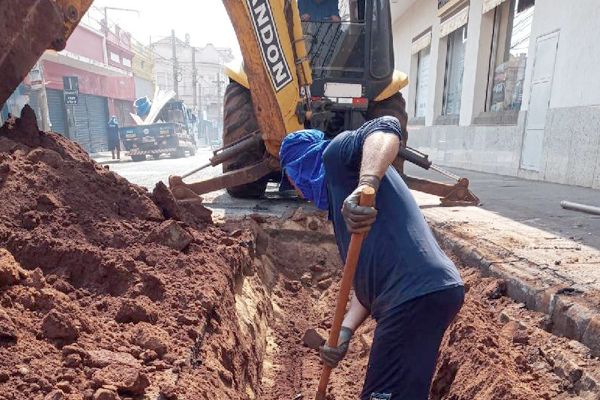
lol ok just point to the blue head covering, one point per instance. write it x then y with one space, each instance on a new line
301 156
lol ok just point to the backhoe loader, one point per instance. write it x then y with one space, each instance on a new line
330 74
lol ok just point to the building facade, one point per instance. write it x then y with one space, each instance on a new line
143 70
100 65
200 82
503 86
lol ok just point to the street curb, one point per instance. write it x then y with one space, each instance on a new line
568 315
108 162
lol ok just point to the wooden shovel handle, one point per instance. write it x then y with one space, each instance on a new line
367 198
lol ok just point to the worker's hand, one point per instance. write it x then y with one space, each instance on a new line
331 356
358 218
335 18
305 17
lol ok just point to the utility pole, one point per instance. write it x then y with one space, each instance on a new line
202 123
38 90
200 96
220 102
175 65
194 79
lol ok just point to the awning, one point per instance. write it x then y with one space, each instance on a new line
456 21
421 42
80 62
489 5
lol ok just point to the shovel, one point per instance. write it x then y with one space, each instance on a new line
367 199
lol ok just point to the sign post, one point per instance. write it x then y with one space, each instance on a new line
71 96
71 90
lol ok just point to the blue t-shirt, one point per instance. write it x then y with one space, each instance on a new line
319 11
400 259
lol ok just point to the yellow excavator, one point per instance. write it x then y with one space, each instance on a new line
301 71
331 75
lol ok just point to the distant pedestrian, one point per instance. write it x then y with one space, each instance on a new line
114 141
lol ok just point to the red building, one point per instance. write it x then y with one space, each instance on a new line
102 65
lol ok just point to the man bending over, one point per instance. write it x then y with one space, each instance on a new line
403 279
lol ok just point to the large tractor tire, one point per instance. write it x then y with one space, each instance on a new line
394 106
239 121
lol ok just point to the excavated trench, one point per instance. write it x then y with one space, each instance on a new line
496 349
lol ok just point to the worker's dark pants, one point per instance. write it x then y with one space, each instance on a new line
406 344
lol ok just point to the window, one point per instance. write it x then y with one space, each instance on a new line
455 63
422 82
382 51
352 10
510 43
115 57
126 62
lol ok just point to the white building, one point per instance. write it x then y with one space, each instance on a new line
504 86
207 98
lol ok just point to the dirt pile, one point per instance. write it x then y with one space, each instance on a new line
101 295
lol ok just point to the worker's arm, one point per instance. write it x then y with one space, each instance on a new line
380 149
355 316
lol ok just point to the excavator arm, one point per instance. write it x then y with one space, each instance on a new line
27 29
275 59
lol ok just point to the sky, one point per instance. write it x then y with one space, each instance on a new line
205 20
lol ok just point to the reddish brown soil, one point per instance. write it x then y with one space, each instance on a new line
495 350
105 295
90 299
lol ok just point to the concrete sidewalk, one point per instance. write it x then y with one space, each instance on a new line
549 257
532 203
105 157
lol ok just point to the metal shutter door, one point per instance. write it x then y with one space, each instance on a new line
81 132
124 108
56 109
33 103
98 122
91 118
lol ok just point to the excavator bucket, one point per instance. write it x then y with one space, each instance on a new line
27 29
457 195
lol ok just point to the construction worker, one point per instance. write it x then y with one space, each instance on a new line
319 10
114 141
403 279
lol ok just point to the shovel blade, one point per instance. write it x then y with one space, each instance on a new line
312 339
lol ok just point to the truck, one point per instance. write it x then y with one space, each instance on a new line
172 134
